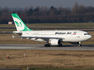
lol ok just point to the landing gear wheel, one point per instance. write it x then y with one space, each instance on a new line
60 45
47 45
80 45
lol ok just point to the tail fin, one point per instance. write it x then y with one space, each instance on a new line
20 25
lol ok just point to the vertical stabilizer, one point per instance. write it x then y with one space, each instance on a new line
20 25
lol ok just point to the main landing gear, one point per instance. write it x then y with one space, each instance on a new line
47 45
60 45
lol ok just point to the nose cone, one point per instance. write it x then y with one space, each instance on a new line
89 36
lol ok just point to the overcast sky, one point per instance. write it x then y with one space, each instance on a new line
48 3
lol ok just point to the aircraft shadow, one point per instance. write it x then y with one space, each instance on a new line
72 46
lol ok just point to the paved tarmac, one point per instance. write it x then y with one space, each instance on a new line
41 47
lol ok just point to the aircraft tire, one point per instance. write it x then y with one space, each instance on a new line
47 45
60 45
80 45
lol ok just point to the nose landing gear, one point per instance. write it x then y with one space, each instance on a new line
80 44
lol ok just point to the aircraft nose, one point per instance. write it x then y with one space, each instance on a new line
90 36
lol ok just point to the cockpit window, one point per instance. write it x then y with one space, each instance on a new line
86 34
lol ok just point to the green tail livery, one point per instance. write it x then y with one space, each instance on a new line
20 25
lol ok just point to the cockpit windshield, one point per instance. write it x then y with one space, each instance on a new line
86 34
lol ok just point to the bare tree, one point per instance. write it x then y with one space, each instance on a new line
75 8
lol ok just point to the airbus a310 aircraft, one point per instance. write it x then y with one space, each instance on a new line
52 37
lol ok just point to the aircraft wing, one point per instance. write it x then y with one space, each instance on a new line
37 37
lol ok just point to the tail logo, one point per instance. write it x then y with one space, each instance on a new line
19 24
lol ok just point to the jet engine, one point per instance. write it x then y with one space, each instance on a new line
55 42
40 40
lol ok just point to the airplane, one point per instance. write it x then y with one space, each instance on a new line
51 37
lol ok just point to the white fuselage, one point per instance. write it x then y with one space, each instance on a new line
66 35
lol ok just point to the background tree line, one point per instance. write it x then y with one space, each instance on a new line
78 13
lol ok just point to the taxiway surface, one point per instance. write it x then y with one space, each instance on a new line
41 47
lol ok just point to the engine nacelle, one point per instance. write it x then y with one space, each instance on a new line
55 41
40 40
